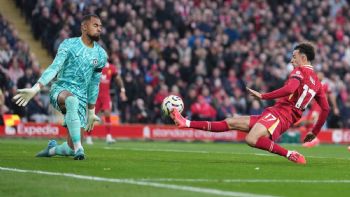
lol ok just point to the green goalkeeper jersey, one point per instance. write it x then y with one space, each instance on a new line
78 69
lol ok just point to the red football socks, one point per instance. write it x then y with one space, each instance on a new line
265 143
108 124
218 126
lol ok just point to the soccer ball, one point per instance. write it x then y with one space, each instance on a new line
171 102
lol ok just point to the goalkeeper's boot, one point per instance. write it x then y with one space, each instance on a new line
313 143
45 152
79 155
179 120
297 158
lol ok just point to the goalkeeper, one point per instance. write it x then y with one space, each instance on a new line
77 68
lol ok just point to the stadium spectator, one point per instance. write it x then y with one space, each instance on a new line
202 110
27 80
226 109
3 108
345 114
256 108
14 57
37 111
140 113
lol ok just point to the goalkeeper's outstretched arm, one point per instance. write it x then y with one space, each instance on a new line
23 96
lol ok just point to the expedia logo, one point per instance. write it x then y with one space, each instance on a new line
38 130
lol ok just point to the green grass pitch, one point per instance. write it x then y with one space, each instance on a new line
138 168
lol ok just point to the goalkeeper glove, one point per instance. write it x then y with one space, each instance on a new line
92 118
23 96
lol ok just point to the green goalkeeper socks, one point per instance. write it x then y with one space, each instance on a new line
73 121
64 150
72 118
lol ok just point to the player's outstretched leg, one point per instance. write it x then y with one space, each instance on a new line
214 126
265 143
74 125
258 137
48 152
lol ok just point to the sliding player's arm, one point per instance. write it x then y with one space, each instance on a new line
321 100
289 88
23 96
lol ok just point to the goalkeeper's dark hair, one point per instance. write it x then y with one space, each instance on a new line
88 17
307 49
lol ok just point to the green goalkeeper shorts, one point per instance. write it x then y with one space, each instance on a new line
55 91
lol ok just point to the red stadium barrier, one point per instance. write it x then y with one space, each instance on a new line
156 132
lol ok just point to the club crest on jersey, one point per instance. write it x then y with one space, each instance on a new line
95 62
297 74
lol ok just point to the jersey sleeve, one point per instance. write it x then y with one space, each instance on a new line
290 87
56 65
321 100
95 79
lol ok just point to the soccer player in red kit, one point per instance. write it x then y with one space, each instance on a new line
263 130
104 102
315 109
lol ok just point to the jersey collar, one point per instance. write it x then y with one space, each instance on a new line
307 66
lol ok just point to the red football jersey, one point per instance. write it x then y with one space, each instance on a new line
303 85
107 73
309 87
315 109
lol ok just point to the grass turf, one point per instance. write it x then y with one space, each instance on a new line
220 166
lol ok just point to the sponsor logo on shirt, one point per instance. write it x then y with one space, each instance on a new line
95 62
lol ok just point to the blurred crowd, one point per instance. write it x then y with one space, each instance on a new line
205 51
19 68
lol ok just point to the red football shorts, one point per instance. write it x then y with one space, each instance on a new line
274 123
103 103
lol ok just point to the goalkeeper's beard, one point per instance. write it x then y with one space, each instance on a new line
94 37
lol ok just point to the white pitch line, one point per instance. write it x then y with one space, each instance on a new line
210 152
244 180
182 151
142 183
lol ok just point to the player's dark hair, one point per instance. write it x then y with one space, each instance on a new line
88 17
306 49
